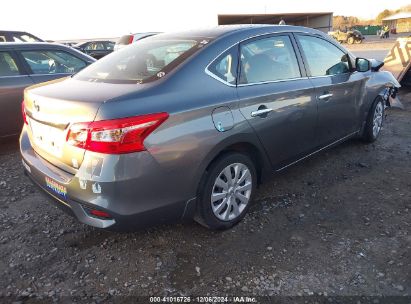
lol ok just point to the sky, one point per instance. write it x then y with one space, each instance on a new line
76 19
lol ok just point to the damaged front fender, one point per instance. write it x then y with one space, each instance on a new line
391 86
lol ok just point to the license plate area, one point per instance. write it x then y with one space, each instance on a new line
48 138
56 187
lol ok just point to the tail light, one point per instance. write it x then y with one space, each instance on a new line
130 39
115 136
99 213
23 113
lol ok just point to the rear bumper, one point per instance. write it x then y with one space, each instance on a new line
126 187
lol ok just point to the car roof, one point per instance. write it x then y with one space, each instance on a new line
245 29
13 46
30 45
144 33
85 42
5 31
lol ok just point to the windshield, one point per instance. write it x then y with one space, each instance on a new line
142 62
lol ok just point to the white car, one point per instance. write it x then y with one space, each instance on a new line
132 38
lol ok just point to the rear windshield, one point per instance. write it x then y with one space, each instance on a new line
142 62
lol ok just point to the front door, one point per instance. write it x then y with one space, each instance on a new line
339 91
276 98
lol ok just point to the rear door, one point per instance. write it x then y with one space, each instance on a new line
277 98
45 65
339 91
12 83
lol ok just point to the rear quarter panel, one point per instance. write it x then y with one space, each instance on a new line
188 141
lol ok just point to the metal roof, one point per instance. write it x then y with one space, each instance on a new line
268 18
402 15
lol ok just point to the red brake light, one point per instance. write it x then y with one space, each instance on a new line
130 39
115 136
99 213
23 112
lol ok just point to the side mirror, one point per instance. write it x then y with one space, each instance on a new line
362 64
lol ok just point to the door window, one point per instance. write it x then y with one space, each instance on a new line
52 62
225 66
109 45
323 58
8 66
268 59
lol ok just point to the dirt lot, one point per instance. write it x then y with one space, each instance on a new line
337 224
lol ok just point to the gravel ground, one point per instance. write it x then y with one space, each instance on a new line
337 224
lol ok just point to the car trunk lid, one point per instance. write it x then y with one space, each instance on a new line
53 107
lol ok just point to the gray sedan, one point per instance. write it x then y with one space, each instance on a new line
186 125
25 64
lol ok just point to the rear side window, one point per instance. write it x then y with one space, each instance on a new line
323 58
142 62
225 66
8 66
52 62
268 59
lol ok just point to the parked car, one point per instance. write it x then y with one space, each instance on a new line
185 125
350 37
16 36
132 38
25 64
69 43
95 49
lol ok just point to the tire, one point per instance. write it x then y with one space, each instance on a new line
374 121
227 210
358 41
350 40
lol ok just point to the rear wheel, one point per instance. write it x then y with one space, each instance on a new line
374 121
226 191
358 41
350 40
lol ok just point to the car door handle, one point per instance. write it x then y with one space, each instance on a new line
325 96
261 112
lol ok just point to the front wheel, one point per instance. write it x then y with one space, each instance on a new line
350 40
226 191
374 121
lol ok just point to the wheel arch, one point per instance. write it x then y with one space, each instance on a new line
244 143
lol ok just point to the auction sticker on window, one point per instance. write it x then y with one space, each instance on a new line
56 187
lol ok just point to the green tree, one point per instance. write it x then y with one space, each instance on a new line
384 14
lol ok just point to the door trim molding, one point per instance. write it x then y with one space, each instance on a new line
319 150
